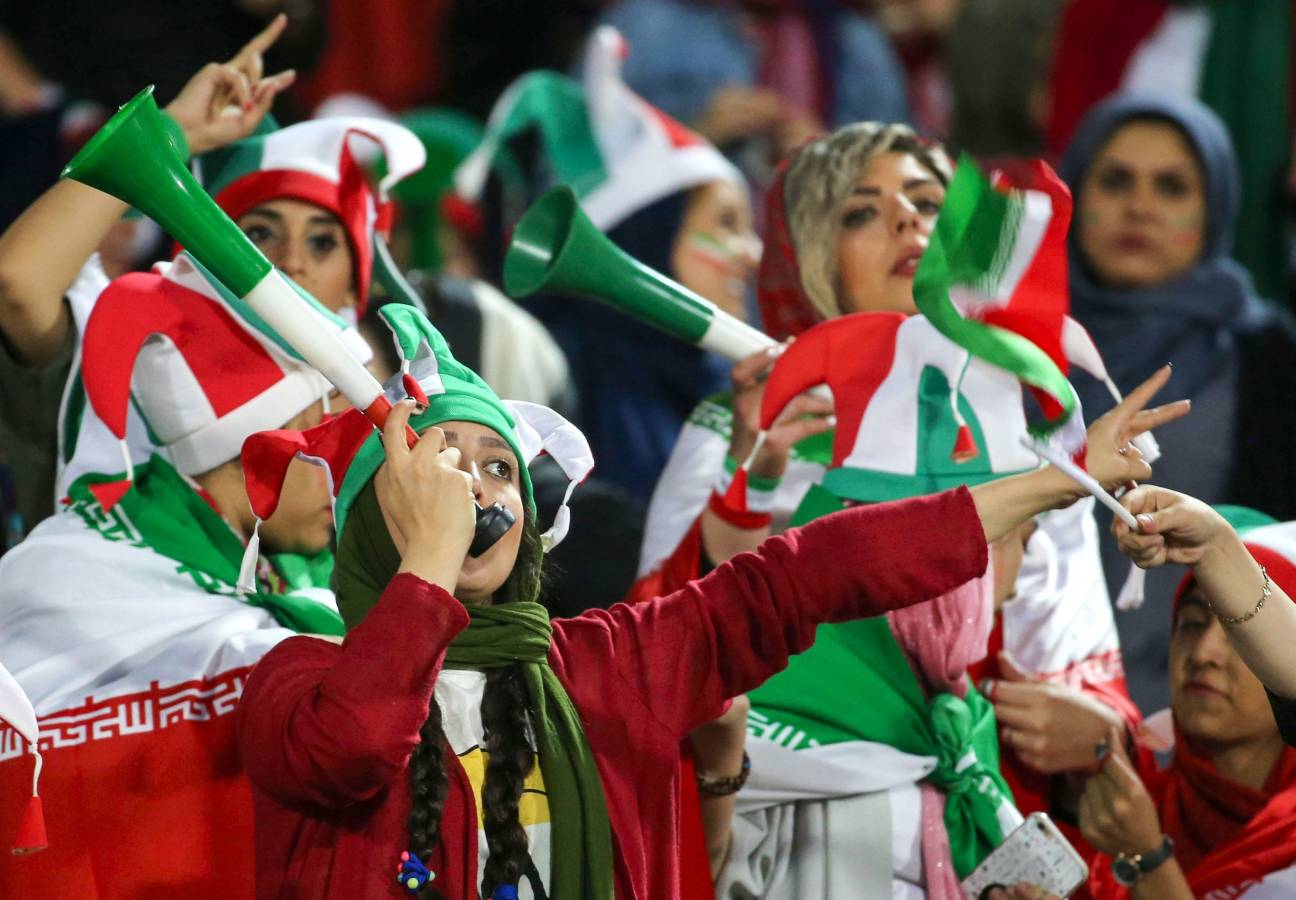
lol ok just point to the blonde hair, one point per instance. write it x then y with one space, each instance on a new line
819 181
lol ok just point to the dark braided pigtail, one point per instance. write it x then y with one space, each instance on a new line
429 785
507 725
506 721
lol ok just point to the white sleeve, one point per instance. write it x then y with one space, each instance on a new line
682 491
1061 619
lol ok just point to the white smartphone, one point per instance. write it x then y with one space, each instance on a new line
1037 853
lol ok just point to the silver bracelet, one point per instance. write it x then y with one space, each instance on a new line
1265 591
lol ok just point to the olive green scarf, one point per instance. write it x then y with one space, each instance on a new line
502 635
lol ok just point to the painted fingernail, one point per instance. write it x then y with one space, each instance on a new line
1102 750
831 420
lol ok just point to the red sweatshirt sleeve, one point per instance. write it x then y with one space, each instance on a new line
332 725
684 654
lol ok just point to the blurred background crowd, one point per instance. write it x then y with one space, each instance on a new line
1000 80
758 78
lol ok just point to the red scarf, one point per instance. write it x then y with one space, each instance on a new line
785 309
1201 808
1226 835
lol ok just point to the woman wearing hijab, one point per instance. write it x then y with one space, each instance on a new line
1176 528
1220 819
1156 189
636 386
364 754
847 223
46 284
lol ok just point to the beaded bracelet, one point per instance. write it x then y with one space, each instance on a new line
723 787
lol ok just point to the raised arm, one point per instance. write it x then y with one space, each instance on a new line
1176 528
333 726
330 726
724 536
42 252
685 653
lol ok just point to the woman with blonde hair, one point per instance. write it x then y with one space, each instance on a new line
847 222
458 743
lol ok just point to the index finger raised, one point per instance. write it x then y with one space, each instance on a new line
393 432
1138 398
264 39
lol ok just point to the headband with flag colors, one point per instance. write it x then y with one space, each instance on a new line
349 448
16 710
320 162
204 369
618 152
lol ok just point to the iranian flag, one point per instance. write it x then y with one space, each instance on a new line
1233 55
993 280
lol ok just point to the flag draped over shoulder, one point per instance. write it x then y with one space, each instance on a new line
815 702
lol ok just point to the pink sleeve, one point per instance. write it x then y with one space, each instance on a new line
332 725
682 655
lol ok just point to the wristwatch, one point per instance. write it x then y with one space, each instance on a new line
1130 867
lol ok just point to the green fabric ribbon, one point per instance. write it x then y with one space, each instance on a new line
502 635
855 684
299 571
967 770
163 513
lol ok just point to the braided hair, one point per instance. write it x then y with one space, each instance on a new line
507 723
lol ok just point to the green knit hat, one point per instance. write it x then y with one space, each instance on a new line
454 393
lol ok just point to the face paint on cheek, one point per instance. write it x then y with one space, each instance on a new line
1186 230
1090 219
708 249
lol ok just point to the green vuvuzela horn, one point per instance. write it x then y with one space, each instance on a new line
555 247
139 156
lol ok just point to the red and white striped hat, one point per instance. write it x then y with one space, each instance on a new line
203 369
